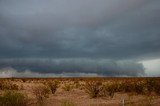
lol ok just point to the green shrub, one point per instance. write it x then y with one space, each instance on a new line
13 99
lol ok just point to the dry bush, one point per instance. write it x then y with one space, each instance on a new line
153 85
8 86
139 88
41 92
53 86
157 88
93 88
68 87
127 87
133 87
117 86
150 84
21 87
24 80
77 84
67 103
11 98
108 90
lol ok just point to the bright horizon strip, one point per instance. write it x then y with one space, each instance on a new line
152 67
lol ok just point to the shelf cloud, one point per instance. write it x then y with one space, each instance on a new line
86 66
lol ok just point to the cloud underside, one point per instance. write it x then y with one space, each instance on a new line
76 66
102 37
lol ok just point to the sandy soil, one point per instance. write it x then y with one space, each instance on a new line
79 97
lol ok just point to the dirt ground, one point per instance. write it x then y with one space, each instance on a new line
77 97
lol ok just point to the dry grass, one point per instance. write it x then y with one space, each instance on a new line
7 85
41 92
67 103
93 88
53 86
82 91
67 87
10 98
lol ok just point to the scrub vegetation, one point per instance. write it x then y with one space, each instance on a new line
79 91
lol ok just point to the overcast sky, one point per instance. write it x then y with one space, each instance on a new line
79 38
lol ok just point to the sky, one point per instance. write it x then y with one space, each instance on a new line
56 38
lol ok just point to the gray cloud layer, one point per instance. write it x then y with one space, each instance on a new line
95 29
58 66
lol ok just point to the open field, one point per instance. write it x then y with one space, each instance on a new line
80 91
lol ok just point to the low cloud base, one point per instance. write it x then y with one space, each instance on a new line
69 67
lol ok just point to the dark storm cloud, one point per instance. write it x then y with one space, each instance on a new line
96 29
99 66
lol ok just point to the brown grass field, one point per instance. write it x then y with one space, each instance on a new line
80 91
